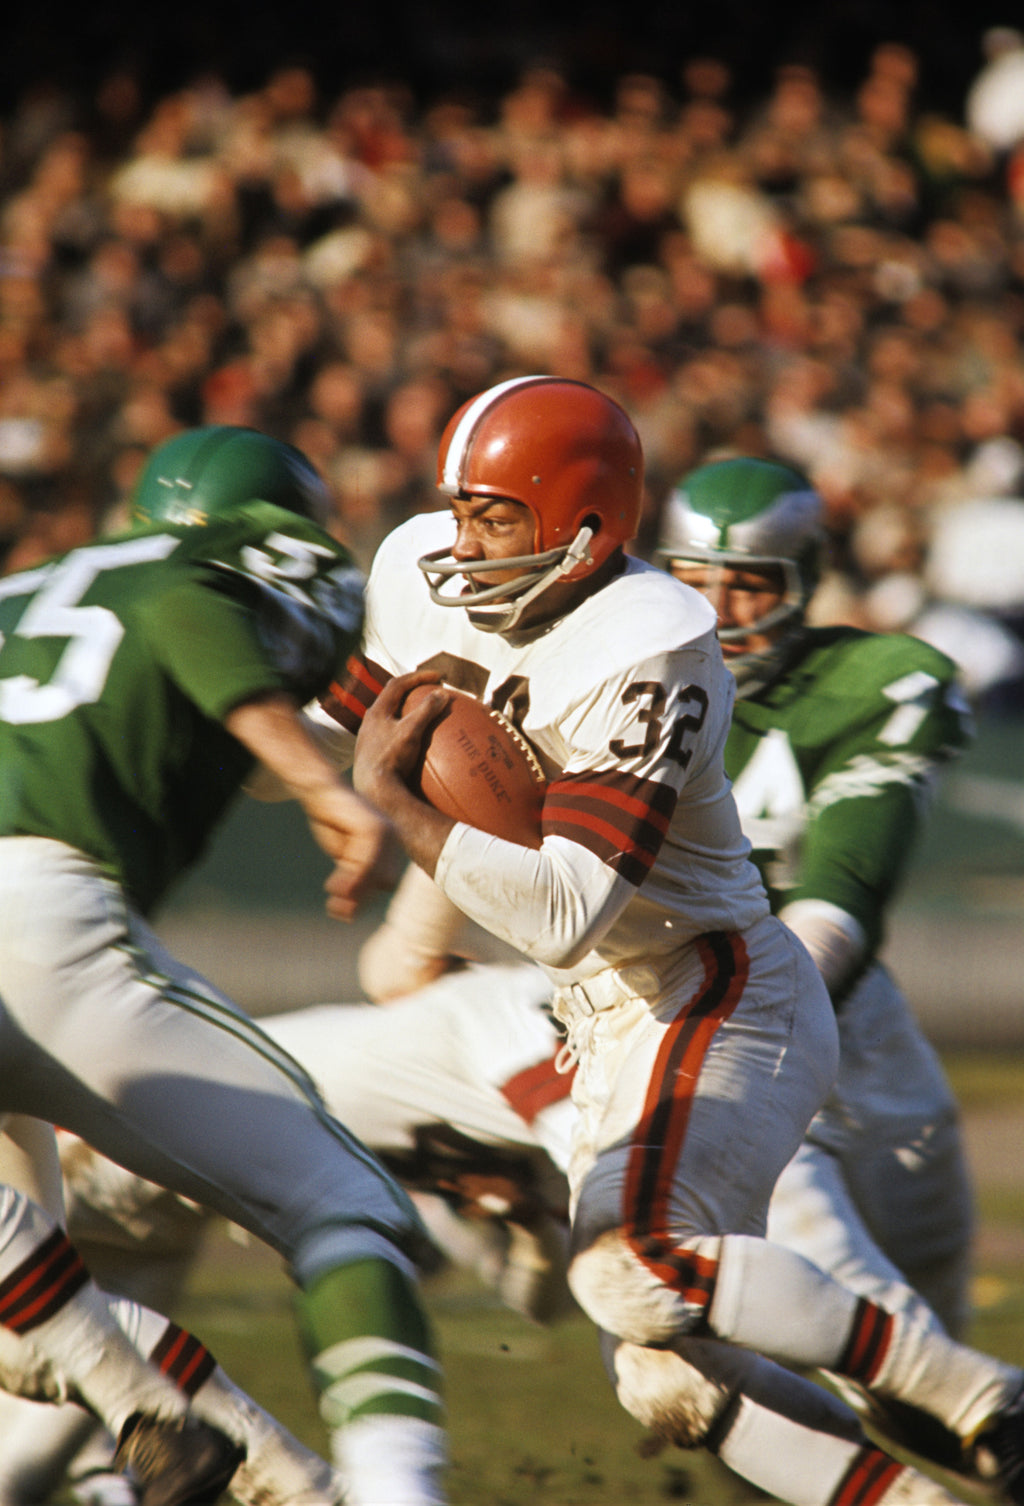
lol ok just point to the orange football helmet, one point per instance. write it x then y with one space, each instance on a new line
565 451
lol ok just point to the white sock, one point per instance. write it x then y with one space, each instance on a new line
786 1459
391 1461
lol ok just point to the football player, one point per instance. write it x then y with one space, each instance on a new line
838 738
460 1101
141 678
836 743
703 1036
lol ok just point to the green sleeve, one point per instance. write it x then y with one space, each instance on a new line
855 852
208 642
870 799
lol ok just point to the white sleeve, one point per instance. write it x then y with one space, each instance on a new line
335 742
552 905
835 939
635 739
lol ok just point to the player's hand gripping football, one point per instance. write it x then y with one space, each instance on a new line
390 739
387 750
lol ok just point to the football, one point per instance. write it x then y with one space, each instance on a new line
476 767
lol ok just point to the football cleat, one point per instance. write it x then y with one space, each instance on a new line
177 1461
998 1454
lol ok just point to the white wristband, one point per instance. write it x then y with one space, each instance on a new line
834 938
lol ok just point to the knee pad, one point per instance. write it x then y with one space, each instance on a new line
626 1297
678 1401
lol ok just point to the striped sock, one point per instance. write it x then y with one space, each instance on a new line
73 1345
37 1289
379 1384
370 1344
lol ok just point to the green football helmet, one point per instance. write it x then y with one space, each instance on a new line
745 513
211 472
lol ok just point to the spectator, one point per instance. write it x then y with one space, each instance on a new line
994 108
833 278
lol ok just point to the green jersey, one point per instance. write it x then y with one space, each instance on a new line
120 660
834 762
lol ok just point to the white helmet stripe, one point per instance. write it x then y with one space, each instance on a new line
454 461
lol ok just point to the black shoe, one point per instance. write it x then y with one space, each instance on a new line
179 1461
998 1454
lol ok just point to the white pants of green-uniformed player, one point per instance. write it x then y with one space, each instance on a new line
104 1033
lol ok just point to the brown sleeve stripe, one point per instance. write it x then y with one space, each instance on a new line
644 799
183 1358
42 1284
348 699
622 821
868 1479
632 863
536 1088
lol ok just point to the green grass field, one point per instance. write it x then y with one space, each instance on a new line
532 1418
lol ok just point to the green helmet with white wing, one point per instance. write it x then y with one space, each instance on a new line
211 472
744 513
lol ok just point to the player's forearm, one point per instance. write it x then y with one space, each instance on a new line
347 828
553 905
333 741
834 938
272 729
418 940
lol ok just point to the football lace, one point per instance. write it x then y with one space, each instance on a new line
520 742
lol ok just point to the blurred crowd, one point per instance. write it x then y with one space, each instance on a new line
837 281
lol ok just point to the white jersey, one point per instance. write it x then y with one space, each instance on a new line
627 702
